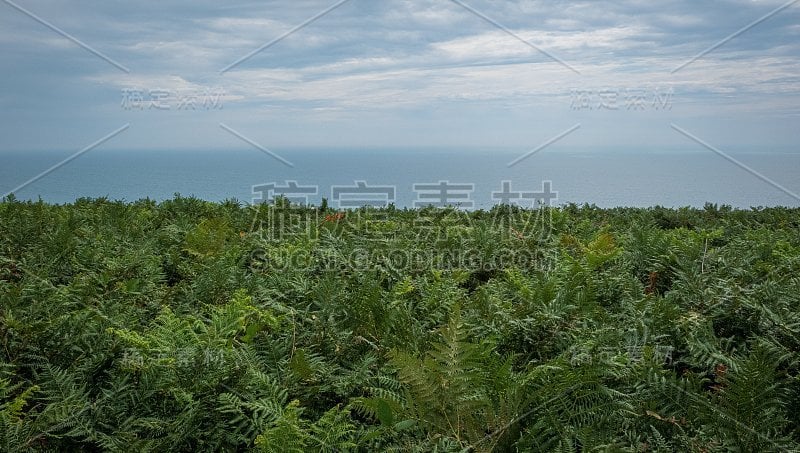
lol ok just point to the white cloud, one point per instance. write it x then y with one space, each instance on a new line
422 55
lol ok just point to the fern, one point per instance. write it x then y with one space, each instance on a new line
176 326
289 433
451 391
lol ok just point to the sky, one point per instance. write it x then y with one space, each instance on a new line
367 74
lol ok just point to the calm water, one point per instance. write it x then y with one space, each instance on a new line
674 178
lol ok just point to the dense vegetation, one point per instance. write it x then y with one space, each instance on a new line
192 326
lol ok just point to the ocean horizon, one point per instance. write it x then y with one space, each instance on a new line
606 178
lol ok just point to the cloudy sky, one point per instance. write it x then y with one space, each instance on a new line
399 73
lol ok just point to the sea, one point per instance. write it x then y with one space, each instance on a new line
470 179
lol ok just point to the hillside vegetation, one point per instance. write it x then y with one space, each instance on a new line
188 325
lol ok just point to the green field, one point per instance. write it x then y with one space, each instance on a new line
188 325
